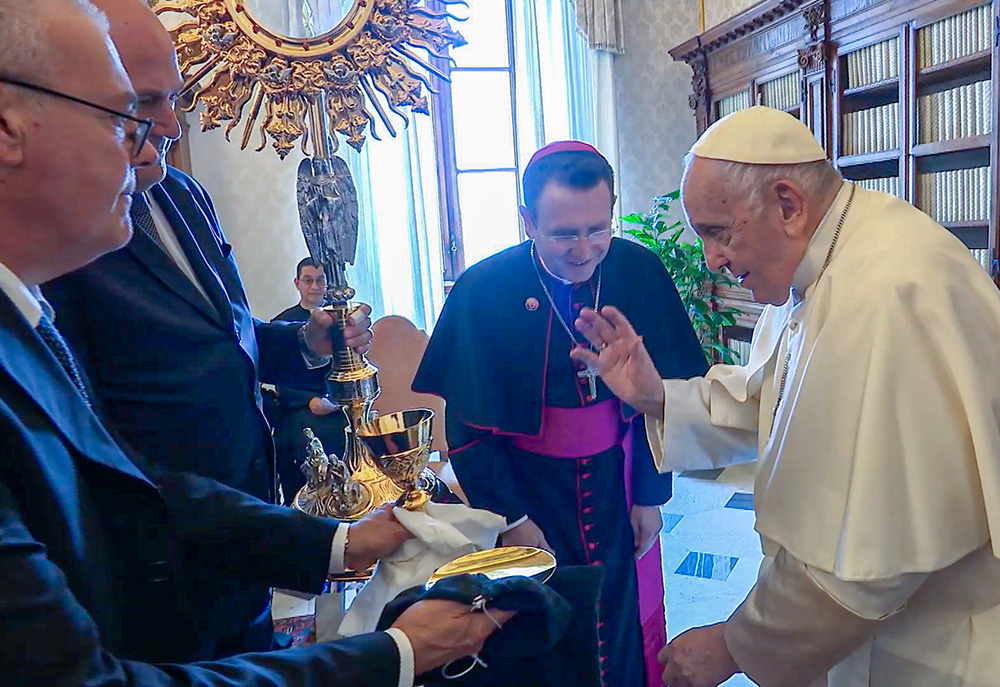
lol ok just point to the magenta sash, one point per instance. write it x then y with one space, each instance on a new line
582 432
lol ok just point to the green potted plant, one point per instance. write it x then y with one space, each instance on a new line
685 263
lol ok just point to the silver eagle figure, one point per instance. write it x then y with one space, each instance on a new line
328 214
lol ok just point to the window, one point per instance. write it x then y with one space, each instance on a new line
523 80
477 142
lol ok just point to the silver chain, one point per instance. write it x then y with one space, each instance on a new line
826 263
552 302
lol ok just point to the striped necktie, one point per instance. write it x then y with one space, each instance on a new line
60 349
142 219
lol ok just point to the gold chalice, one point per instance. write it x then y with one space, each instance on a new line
400 446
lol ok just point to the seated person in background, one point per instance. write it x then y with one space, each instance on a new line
101 558
305 405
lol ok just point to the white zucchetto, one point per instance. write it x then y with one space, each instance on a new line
759 136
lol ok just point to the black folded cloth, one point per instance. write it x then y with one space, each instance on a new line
552 641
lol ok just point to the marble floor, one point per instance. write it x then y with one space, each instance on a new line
711 552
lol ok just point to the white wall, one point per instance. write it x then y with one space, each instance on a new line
254 195
655 125
718 11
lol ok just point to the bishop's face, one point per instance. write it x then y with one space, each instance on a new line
753 243
571 228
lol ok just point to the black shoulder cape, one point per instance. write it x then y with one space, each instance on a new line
487 355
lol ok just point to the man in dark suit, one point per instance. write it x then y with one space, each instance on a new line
98 558
304 404
176 376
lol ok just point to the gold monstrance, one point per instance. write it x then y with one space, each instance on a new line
303 71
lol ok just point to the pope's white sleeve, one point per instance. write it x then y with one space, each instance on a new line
789 631
708 422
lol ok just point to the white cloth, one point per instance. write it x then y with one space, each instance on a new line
442 532
884 457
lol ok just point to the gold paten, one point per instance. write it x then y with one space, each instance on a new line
507 561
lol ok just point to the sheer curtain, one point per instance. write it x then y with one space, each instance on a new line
399 265
554 70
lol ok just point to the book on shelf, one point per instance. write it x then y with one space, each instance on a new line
955 37
748 310
958 112
889 185
955 195
741 350
873 64
872 130
733 103
983 257
781 93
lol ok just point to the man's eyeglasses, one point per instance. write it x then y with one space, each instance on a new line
572 239
143 127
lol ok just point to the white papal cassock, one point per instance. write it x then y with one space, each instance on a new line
878 488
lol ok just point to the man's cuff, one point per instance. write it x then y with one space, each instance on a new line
313 362
520 521
338 548
406 660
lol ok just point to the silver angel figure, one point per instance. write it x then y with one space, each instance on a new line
329 488
328 213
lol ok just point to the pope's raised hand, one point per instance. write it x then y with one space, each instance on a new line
622 360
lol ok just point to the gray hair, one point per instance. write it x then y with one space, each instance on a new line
753 181
22 38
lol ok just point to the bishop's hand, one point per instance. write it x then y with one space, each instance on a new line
622 360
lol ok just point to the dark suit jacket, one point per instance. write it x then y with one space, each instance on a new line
97 561
175 374
291 415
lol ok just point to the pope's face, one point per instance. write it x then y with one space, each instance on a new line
753 243
571 228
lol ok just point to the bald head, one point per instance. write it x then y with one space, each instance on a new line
141 39
147 52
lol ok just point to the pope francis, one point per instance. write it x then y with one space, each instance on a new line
871 401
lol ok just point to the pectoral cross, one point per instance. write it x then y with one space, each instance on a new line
591 374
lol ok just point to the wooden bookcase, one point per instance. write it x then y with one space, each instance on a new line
905 73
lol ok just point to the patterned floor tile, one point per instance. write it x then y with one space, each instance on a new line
707 565
670 521
741 501
704 474
723 531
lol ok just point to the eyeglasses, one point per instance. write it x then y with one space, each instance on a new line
143 127
309 281
573 239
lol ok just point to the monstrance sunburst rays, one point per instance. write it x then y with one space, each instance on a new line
239 71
